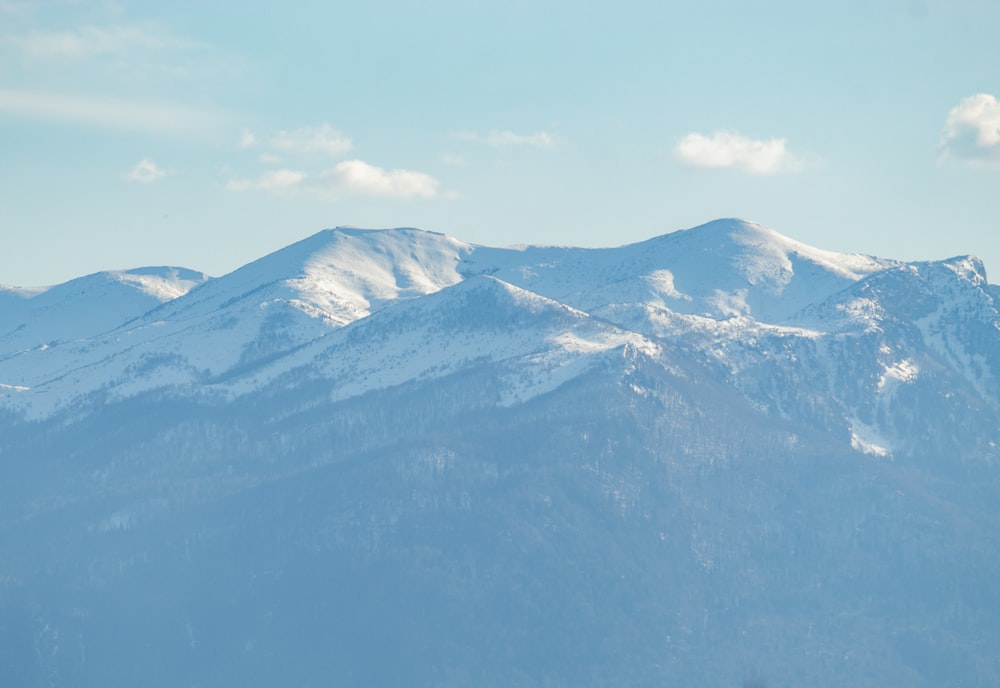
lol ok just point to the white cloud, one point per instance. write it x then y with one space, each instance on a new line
360 177
500 139
452 159
322 139
348 177
94 41
972 130
275 180
145 171
730 150
107 112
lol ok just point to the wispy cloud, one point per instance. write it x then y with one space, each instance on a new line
145 171
452 159
323 139
725 149
114 54
972 131
501 139
95 41
274 180
15 7
107 112
350 177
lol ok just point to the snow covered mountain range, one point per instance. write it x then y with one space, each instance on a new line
861 347
389 457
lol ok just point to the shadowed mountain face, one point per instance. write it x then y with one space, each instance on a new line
715 458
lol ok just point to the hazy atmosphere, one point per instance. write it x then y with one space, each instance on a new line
206 134
502 345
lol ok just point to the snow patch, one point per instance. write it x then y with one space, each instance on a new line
662 281
867 440
896 373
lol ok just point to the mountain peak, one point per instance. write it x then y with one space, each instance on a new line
729 225
749 242
342 274
970 268
363 231
88 305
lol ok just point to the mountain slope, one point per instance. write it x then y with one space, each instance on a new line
831 340
264 309
630 527
481 321
389 458
87 306
338 275
721 269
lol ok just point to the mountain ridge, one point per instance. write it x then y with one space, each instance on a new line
734 294
391 458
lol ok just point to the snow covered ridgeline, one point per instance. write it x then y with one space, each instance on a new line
86 306
887 357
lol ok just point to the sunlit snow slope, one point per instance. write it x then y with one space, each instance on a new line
857 346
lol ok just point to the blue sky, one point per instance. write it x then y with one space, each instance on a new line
208 134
